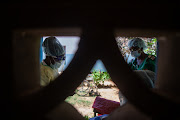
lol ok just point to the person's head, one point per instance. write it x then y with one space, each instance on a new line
136 46
55 53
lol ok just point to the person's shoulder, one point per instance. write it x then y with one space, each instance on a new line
151 57
46 69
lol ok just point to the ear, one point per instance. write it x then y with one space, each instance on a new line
52 60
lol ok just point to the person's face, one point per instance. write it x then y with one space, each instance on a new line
135 49
59 58
55 62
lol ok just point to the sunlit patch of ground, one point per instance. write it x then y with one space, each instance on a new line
84 104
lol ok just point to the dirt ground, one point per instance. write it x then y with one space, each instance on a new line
110 93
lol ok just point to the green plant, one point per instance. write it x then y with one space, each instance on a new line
86 117
105 76
99 76
151 47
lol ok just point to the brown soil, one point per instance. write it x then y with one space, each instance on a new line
106 92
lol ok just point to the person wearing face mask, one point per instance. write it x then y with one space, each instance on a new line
143 65
55 57
142 60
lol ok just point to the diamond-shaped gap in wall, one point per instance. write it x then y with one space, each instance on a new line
97 84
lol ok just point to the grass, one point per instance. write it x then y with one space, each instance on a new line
81 102
75 99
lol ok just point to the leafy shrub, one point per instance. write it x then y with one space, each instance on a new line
151 47
99 76
86 117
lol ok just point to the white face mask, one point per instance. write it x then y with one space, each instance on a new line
56 65
135 53
62 66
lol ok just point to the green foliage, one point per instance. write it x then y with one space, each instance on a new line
86 117
151 47
105 75
99 76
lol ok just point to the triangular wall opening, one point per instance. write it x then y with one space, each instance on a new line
97 85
